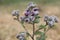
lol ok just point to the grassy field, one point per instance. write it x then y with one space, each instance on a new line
9 27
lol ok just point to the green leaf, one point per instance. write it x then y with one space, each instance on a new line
42 37
36 21
22 22
37 17
42 26
38 33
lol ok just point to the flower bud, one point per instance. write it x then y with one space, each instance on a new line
51 23
22 18
21 36
31 5
46 18
56 19
53 18
15 12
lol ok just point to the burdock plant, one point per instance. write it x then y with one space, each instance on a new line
31 16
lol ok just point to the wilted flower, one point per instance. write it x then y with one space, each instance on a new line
15 12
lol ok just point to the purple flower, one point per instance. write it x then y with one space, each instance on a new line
35 9
15 12
27 13
27 20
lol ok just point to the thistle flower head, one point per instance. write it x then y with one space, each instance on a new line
15 12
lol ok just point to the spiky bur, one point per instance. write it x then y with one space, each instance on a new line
31 16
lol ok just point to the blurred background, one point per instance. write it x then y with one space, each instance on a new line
9 28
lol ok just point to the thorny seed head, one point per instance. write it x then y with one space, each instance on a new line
15 12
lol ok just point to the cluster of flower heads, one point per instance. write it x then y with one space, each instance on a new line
21 36
30 13
50 20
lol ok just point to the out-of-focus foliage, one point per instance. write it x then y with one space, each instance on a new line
37 1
